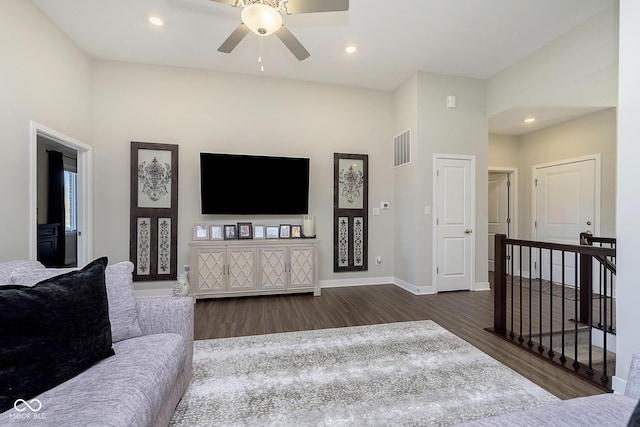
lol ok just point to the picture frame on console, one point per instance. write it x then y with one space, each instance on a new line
273 232
258 232
200 232
245 230
285 231
230 232
296 231
216 232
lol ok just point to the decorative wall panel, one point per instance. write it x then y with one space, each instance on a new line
350 206
143 244
154 211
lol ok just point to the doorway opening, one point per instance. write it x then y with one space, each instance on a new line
65 239
502 212
57 210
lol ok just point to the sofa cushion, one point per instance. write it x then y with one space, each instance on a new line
127 389
7 267
52 331
599 410
122 307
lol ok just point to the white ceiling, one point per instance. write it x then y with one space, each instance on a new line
395 38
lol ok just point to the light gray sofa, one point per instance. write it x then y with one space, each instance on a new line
139 386
600 410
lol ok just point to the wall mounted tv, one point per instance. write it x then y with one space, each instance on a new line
235 184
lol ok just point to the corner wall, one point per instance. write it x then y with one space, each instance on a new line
463 130
44 77
628 244
578 69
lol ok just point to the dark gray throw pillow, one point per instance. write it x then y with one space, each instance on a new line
52 331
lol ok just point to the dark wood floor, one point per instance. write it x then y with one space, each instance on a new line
466 314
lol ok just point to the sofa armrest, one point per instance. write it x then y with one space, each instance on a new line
633 381
158 315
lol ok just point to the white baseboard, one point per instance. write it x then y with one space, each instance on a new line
618 385
340 283
416 290
482 286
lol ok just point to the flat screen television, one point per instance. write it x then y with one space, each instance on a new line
237 184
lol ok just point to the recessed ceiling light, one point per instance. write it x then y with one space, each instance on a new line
530 120
350 49
156 21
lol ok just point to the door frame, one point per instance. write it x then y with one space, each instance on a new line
435 246
596 199
513 177
85 190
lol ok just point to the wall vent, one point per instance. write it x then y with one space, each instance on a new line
402 149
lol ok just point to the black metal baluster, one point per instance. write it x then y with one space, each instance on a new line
520 338
551 353
563 358
576 364
540 297
590 322
604 378
530 342
511 334
600 310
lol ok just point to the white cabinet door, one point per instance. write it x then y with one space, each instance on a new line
301 267
273 262
241 269
259 267
211 270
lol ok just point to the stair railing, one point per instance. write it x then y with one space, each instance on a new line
551 315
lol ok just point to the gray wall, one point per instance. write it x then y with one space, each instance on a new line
217 112
591 134
45 78
421 103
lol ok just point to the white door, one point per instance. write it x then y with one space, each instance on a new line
498 210
565 205
455 205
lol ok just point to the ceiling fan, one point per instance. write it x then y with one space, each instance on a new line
264 17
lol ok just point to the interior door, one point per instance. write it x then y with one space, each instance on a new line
565 206
498 210
454 223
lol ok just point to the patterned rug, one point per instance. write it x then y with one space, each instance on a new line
412 373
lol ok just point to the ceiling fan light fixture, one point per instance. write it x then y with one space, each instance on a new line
261 19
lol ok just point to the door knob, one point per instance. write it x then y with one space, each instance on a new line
468 231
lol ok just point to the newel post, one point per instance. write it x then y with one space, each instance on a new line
500 284
586 281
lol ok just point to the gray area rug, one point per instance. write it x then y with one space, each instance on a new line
411 373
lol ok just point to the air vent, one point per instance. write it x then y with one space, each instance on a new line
402 149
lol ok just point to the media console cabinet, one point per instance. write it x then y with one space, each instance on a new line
231 268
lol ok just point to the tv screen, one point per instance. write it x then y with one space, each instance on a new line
253 185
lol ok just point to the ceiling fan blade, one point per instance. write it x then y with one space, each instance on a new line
233 3
312 6
292 43
236 37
